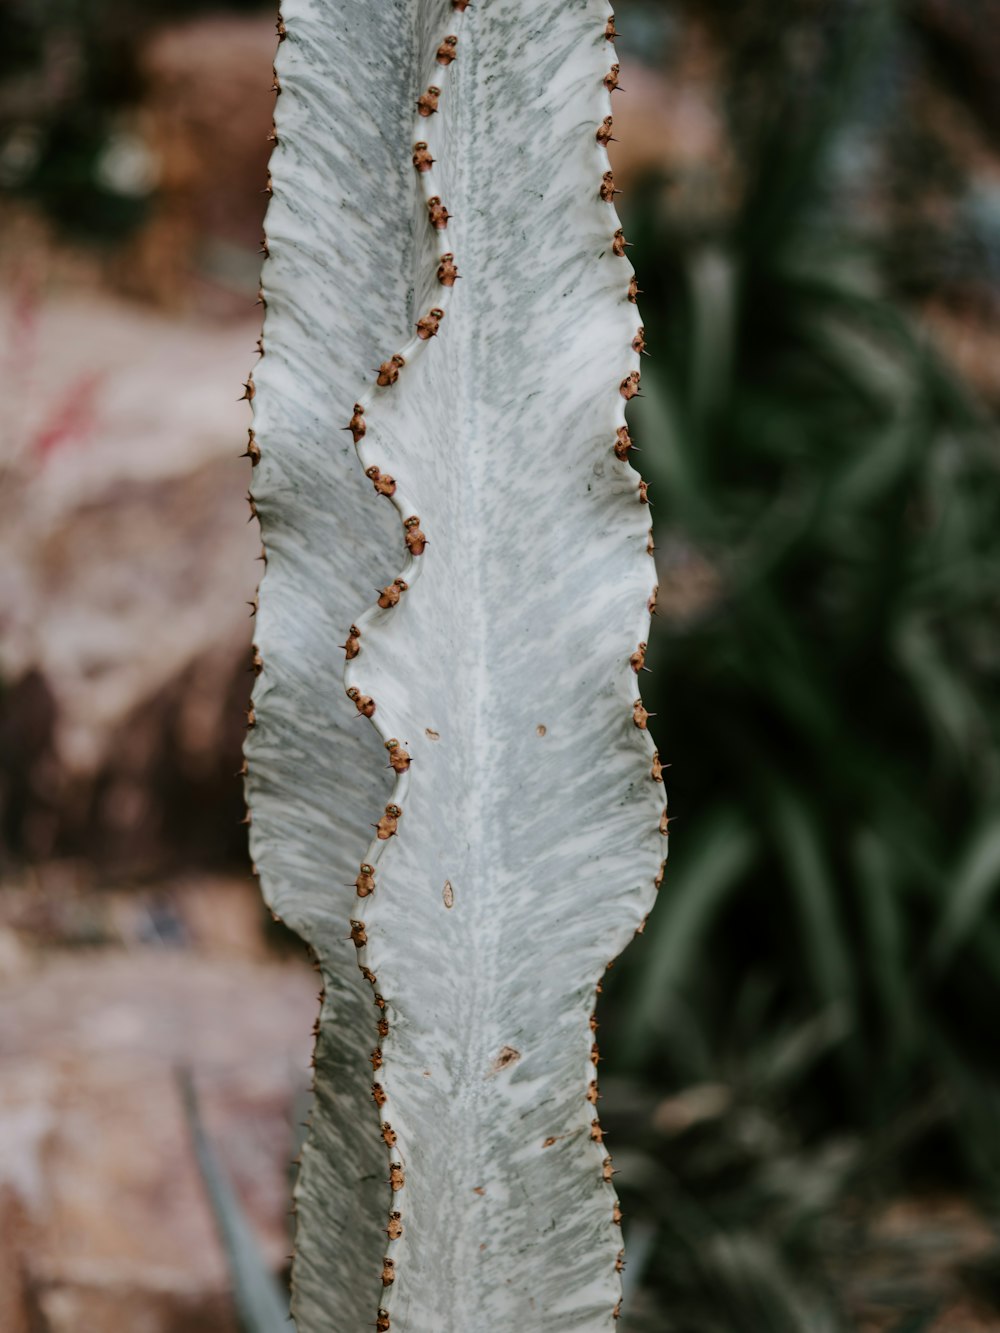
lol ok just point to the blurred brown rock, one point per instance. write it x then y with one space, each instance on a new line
104 1222
126 565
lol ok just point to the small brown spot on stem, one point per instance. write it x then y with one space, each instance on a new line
447 51
422 159
387 825
427 103
629 386
437 213
399 760
388 371
389 596
364 703
447 271
607 190
357 425
429 324
415 540
365 882
506 1057
623 443
358 934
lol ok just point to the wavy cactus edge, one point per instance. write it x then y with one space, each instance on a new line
632 657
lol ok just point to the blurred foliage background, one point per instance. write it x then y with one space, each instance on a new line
801 1086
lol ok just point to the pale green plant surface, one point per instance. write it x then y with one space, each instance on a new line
469 1189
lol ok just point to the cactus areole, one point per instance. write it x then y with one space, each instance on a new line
447 330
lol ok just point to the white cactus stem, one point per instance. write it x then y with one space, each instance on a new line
531 830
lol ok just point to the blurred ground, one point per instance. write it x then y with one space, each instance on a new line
105 1222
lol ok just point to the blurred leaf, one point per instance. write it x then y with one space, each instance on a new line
883 920
762 1296
918 1322
976 879
947 702
798 139
260 1303
665 462
800 846
713 289
716 855
789 1055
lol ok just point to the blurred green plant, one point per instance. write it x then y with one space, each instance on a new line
826 670
738 1220
261 1304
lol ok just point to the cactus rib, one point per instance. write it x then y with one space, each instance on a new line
504 662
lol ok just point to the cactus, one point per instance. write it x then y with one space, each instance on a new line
454 797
